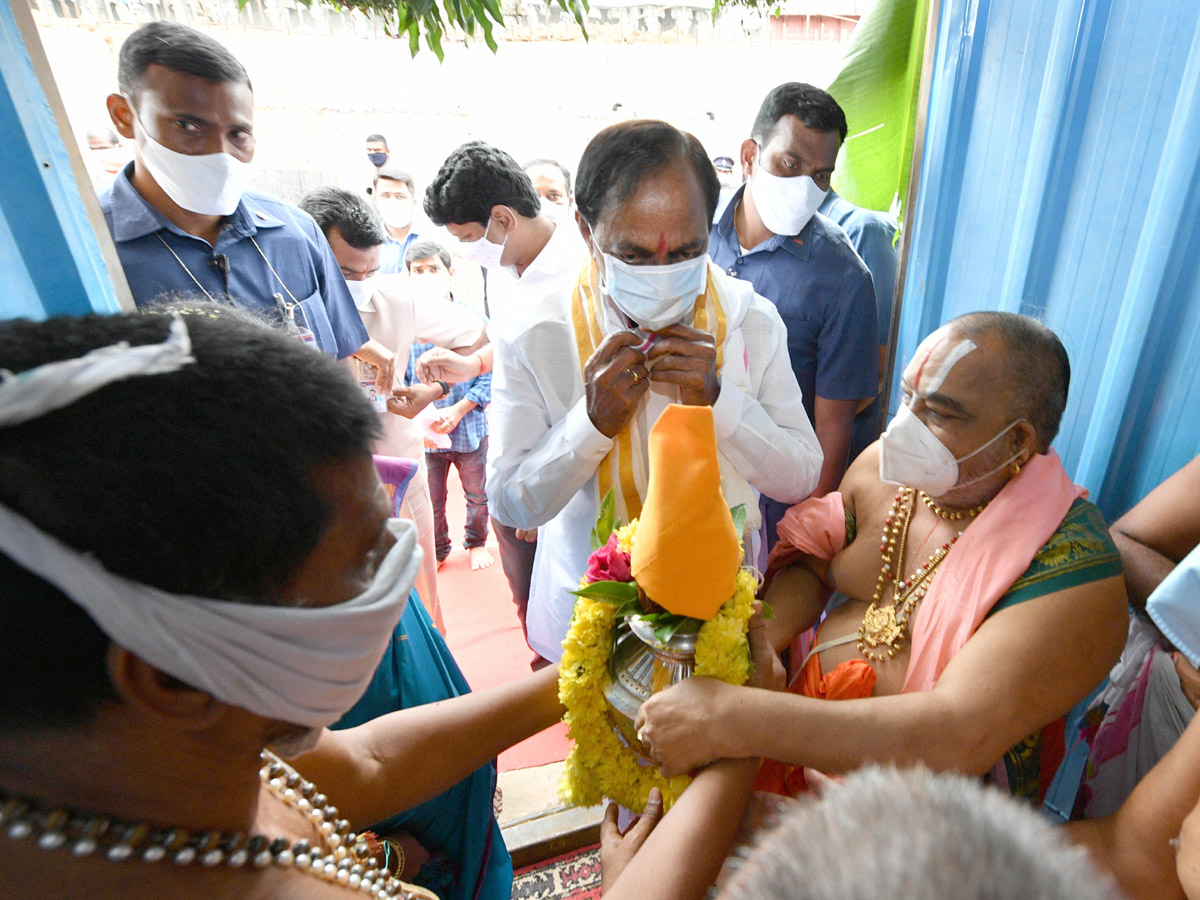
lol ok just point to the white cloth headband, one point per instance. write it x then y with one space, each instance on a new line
306 665
52 386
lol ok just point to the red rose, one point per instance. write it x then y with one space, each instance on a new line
609 563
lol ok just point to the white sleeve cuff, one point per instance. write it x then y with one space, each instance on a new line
729 408
581 435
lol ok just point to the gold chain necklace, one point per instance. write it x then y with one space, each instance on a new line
885 629
951 515
338 856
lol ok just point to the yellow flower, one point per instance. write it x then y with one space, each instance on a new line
626 535
600 763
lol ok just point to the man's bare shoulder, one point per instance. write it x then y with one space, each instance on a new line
861 488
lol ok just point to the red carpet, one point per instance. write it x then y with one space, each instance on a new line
484 633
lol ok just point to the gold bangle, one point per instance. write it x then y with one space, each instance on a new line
390 846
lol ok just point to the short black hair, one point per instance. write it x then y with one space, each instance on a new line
1037 368
356 219
472 180
618 159
198 482
176 47
424 250
376 139
553 163
395 173
814 108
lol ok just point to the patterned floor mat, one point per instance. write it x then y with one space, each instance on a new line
572 876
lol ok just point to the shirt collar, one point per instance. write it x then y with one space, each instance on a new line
547 260
134 217
797 245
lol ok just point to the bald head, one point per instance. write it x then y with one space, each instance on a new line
1036 372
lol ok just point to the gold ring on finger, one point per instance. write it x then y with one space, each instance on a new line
636 376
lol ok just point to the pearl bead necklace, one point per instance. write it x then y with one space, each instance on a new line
340 857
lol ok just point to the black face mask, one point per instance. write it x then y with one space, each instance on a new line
377 159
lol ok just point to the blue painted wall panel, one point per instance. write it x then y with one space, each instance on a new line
50 258
1061 178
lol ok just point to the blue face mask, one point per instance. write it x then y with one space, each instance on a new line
1175 607
377 159
655 296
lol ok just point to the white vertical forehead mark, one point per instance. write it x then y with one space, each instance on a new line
926 381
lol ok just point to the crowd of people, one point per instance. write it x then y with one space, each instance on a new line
225 671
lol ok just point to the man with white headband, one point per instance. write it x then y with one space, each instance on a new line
648 322
182 215
192 572
771 235
985 596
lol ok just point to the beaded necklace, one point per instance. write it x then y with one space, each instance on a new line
339 856
885 629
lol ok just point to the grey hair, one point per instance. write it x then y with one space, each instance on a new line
919 836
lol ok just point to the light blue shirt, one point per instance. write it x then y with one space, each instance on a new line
266 248
873 236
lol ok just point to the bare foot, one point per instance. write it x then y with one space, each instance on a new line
480 558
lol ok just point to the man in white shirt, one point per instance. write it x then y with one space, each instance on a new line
532 257
650 322
356 234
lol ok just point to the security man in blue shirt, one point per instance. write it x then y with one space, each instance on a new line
180 214
873 236
771 236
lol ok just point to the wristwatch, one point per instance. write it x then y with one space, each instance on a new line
445 387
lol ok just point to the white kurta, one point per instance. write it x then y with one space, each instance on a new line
545 449
393 318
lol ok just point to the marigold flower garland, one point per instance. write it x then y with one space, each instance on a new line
600 764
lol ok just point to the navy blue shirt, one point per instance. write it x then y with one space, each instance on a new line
824 295
295 262
873 236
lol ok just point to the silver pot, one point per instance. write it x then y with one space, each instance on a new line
641 666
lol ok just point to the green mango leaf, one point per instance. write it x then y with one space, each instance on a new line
606 521
739 519
620 591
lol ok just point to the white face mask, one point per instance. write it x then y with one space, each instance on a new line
396 212
1172 606
484 251
361 291
431 287
558 212
211 185
785 205
655 296
911 455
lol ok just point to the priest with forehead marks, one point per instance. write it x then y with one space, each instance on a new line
979 593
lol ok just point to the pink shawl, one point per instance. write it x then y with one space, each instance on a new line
984 563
